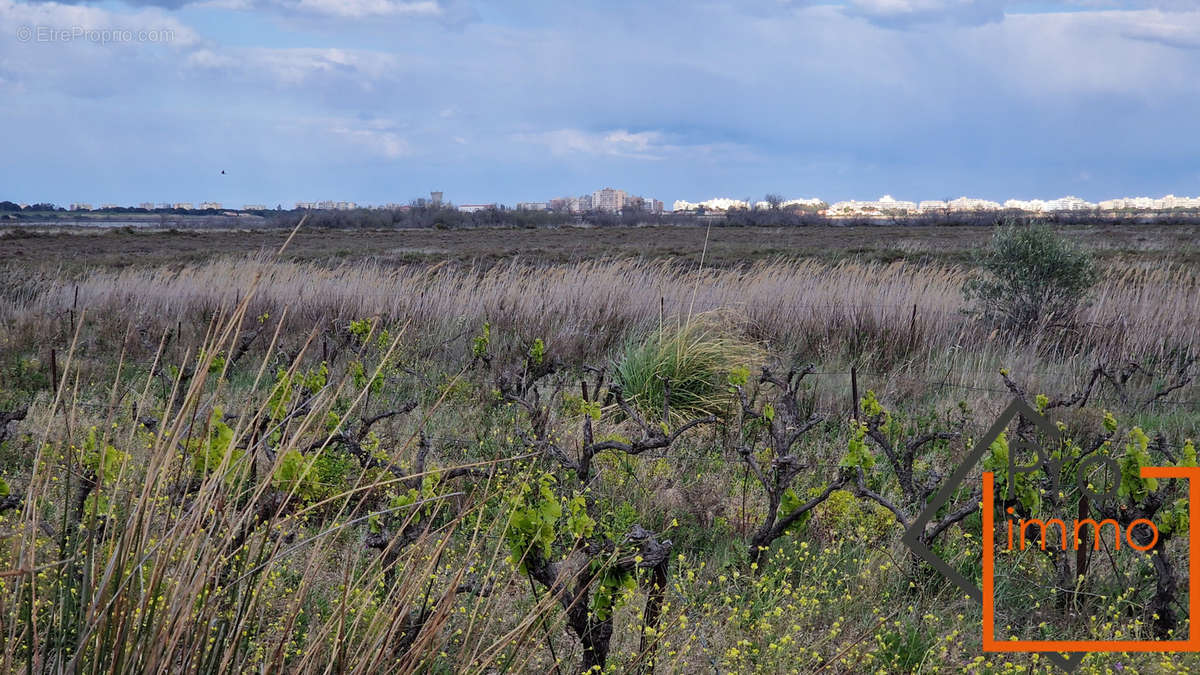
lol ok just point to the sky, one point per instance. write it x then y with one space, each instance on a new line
378 101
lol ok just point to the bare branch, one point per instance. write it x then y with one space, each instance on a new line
368 422
957 516
864 491
10 416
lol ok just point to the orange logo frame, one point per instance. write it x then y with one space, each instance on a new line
1191 644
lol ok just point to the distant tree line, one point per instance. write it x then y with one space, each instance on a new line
13 207
421 214
45 208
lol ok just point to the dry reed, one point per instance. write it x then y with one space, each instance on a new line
809 308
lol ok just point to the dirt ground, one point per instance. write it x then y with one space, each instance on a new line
721 246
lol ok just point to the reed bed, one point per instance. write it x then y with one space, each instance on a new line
807 308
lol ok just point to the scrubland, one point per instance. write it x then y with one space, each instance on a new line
259 463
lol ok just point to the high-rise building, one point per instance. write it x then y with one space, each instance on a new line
579 204
436 199
608 199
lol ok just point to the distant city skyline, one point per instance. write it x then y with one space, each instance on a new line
614 200
370 101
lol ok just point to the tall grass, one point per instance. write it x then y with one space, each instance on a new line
861 311
125 558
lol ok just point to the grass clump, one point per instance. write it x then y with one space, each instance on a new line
697 359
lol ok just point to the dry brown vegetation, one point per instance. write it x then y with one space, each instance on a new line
878 315
726 246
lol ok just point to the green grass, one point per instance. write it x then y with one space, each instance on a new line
694 360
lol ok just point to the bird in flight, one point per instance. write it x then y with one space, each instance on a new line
222 172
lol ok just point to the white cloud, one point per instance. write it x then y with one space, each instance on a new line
1180 30
905 12
893 7
358 9
815 93
298 66
1123 53
378 138
87 51
616 143
355 9
65 17
449 13
625 144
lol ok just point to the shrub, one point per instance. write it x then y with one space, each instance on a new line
1032 276
696 359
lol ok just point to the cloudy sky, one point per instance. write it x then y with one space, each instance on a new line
383 100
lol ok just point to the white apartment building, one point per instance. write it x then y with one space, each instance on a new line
1150 204
1173 202
790 202
579 204
884 205
187 206
609 199
81 206
970 204
473 208
1068 203
1035 205
210 205
715 204
533 206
